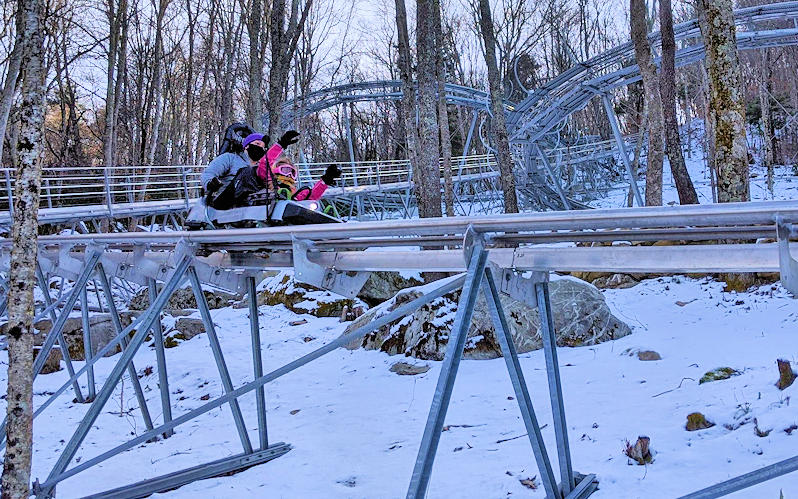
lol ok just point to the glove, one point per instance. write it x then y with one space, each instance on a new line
288 138
213 185
333 172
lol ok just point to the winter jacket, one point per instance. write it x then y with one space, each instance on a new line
224 165
264 171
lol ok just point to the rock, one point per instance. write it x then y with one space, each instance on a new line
581 317
303 298
718 374
382 286
184 298
53 362
405 369
786 374
697 421
648 355
739 282
640 452
185 328
615 281
102 332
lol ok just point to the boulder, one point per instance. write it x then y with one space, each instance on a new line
183 298
581 317
184 329
102 332
382 286
303 298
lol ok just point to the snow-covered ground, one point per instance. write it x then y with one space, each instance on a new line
785 183
356 427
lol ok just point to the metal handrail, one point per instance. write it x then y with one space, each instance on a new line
125 184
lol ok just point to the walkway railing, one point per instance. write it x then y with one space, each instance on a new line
64 187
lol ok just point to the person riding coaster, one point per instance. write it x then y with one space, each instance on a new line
267 181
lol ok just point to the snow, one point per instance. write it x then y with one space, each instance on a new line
785 181
358 426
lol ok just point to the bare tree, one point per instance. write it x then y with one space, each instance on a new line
498 120
408 105
12 75
284 40
726 102
766 119
22 273
428 186
443 111
117 34
639 32
667 84
258 37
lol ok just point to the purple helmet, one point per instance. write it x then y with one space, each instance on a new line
251 138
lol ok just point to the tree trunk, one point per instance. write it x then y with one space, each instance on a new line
498 120
443 112
188 157
12 74
726 101
284 40
636 157
684 185
639 32
408 107
22 273
255 102
766 119
428 190
114 16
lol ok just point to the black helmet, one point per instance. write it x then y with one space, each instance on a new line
233 137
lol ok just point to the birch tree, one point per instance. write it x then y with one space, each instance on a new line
22 273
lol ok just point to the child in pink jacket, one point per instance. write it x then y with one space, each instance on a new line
275 167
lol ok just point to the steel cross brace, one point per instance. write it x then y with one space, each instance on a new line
397 313
116 374
480 277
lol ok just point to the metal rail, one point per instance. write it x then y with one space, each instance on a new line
320 255
671 217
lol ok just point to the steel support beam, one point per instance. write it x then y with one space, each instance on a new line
447 287
221 365
257 361
555 386
87 350
616 131
419 482
131 368
554 178
747 480
160 357
62 344
116 374
171 481
502 331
